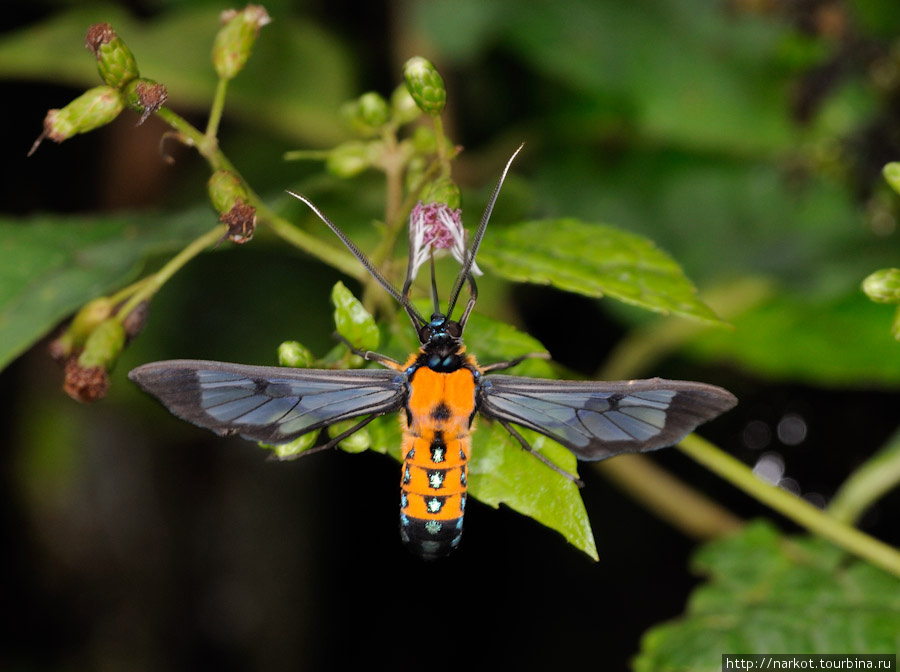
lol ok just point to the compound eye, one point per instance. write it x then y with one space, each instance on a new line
454 329
425 334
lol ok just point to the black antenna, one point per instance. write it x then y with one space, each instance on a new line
434 292
403 299
472 250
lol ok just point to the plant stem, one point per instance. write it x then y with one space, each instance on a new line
209 149
670 499
794 508
215 113
152 283
871 480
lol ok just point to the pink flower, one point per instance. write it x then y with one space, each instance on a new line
435 227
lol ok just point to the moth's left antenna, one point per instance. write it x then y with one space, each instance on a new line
414 315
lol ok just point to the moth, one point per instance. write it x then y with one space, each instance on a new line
438 391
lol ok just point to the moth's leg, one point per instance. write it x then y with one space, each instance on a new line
336 440
499 366
370 356
521 439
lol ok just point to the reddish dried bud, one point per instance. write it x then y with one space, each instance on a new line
61 348
135 321
85 384
98 35
241 222
145 97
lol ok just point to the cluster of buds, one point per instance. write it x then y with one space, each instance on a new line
91 344
123 86
230 198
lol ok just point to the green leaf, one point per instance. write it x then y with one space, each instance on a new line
595 260
502 472
768 594
53 265
834 341
354 322
294 82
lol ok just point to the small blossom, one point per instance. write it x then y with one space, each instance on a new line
435 227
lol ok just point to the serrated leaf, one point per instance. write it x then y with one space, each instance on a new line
595 260
768 594
353 322
53 265
502 472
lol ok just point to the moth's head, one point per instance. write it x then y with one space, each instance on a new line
440 331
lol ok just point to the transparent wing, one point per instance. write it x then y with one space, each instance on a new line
596 420
270 404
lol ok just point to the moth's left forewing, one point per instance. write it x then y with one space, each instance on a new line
596 420
270 404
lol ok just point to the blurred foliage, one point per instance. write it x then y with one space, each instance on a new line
770 594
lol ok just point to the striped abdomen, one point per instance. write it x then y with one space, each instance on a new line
436 449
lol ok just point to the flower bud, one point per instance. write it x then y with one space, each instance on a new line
95 107
351 158
104 345
115 62
403 108
294 449
294 355
367 114
145 97
883 286
87 377
443 190
135 321
357 442
225 189
85 321
352 320
891 173
425 85
236 37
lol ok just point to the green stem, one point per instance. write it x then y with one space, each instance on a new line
441 145
306 154
680 505
209 149
876 476
152 283
215 113
800 511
